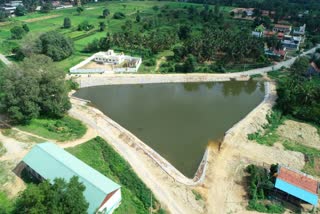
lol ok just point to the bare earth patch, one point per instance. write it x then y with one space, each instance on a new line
300 132
41 18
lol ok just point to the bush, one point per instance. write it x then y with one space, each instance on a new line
66 22
85 26
17 32
119 15
149 62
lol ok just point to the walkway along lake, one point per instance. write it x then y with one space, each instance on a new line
177 120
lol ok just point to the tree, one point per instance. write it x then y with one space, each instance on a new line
20 11
59 197
46 7
102 26
55 45
34 88
138 18
298 95
184 32
85 26
17 32
80 10
67 22
119 15
30 5
3 15
190 64
105 13
25 28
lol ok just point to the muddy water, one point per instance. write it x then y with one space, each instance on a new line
177 119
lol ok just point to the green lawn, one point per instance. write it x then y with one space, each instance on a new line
136 196
64 129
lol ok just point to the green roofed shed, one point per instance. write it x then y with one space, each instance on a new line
50 162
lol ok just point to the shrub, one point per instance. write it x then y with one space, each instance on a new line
119 15
17 32
66 22
149 62
85 26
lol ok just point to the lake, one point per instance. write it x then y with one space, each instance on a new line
177 120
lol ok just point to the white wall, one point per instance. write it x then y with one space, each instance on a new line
112 203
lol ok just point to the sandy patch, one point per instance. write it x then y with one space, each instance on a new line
41 18
300 132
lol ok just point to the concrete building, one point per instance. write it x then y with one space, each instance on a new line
297 184
300 31
108 62
10 7
49 161
286 29
292 42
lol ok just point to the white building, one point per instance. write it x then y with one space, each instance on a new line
108 62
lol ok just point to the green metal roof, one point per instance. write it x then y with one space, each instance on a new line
50 161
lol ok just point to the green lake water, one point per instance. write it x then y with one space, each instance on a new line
177 119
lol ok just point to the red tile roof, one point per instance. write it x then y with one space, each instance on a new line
298 179
282 26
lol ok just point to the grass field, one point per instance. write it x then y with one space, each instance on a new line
136 196
64 129
39 23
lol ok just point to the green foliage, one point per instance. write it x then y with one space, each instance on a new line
260 186
46 7
269 135
30 5
149 62
2 149
105 13
60 197
102 26
72 85
20 11
25 27
3 16
67 22
6 205
85 26
197 195
297 95
55 45
119 15
80 10
100 155
97 45
184 32
33 88
64 129
17 32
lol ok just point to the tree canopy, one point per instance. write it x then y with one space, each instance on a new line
59 197
55 45
34 88
299 95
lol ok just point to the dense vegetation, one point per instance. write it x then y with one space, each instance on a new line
299 94
34 88
136 196
260 188
59 197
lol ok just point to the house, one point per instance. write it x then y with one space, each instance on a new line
240 11
10 7
109 57
292 42
106 62
276 54
49 161
286 29
297 184
300 31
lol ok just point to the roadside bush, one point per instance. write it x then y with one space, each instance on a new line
119 15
